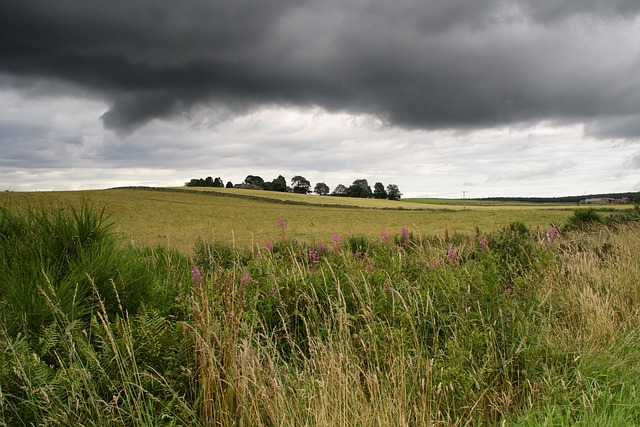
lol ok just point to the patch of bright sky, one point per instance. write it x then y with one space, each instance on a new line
58 143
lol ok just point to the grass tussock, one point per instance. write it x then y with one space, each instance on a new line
513 327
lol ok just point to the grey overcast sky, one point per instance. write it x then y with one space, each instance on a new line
441 97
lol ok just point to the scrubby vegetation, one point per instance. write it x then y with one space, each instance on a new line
513 327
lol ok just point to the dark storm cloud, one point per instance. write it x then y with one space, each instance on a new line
413 63
621 127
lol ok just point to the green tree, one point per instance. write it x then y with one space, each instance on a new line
279 184
300 185
393 192
359 188
321 189
229 184
218 182
200 182
253 179
340 191
379 192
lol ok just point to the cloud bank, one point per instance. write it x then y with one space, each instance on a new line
414 64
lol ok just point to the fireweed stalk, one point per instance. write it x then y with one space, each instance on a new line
405 235
335 241
283 226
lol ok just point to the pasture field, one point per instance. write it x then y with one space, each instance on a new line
475 203
312 199
177 218
410 204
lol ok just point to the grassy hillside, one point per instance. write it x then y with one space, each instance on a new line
312 198
178 218
410 204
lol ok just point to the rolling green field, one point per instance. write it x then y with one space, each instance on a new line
326 321
177 218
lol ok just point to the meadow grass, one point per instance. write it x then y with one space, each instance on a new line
405 203
313 199
513 326
176 219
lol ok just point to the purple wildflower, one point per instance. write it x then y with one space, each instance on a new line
552 234
369 268
269 246
321 248
335 240
283 225
452 254
196 277
405 234
246 279
313 255
484 245
385 236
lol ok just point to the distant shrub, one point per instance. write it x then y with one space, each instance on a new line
619 218
583 218
517 228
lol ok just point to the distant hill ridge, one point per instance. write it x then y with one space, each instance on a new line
565 199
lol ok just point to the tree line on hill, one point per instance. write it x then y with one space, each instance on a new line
206 182
634 197
359 188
